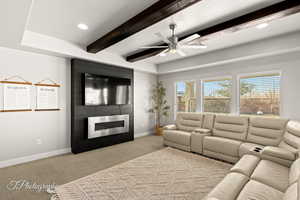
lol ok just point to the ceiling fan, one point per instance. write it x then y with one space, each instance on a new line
174 46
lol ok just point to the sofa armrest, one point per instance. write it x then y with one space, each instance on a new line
278 153
170 127
202 131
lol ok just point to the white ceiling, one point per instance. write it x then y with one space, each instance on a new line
58 19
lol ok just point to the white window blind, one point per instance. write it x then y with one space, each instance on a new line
260 95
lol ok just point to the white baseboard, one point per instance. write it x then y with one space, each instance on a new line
142 134
25 159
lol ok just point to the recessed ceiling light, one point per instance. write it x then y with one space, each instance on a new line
83 26
263 25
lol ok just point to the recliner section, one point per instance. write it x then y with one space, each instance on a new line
228 138
179 135
253 178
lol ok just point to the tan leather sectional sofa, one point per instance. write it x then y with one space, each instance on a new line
265 151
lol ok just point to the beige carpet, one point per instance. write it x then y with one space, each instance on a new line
168 174
66 168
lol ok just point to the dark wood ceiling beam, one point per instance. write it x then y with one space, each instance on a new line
155 13
270 13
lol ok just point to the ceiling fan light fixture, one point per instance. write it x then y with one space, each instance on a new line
173 51
263 25
82 26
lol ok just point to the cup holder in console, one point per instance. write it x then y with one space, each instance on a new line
257 149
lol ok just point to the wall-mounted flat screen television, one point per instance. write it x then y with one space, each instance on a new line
106 90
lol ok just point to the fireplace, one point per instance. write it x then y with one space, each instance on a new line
97 126
107 125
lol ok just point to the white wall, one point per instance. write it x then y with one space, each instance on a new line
278 45
21 130
288 64
143 120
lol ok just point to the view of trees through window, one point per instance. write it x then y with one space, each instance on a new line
260 95
185 96
217 95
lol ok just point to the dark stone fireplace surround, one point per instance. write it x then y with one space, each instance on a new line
80 113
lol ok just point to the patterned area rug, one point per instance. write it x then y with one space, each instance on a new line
168 174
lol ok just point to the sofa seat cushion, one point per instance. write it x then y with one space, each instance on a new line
254 190
247 148
179 137
222 145
279 152
246 165
229 187
272 174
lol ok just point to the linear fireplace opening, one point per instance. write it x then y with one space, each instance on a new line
107 125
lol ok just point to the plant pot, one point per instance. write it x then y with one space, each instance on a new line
159 130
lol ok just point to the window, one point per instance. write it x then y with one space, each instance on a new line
260 95
217 95
185 96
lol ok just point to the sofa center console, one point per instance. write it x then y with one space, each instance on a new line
257 150
197 138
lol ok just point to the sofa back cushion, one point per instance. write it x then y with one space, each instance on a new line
266 131
209 120
291 137
292 192
294 174
189 121
233 127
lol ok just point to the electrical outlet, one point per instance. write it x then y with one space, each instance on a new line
39 141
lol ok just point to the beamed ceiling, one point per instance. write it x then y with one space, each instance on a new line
117 29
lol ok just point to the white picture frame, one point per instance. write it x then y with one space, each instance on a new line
47 97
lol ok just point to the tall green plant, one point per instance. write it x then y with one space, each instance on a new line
160 106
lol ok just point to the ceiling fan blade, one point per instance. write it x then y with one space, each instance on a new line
164 52
163 38
180 52
154 47
196 46
189 39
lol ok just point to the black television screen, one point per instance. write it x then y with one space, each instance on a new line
106 90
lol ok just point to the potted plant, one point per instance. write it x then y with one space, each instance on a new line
160 106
